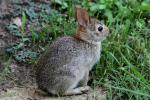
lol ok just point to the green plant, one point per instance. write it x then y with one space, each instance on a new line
24 56
24 22
23 49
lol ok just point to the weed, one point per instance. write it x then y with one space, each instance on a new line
24 22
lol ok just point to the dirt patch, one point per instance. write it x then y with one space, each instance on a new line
12 73
33 94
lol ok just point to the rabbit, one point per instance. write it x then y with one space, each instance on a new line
64 67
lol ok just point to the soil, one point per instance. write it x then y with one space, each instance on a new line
32 94
19 83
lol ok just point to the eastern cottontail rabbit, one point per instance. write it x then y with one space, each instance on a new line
64 68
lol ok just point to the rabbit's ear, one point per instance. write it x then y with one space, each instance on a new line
82 16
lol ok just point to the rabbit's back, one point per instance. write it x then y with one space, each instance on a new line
65 50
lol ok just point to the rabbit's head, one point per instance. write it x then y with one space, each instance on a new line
89 29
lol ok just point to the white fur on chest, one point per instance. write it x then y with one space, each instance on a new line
98 51
95 56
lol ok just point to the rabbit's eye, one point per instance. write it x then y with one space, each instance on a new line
100 28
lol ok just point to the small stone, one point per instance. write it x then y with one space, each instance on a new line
2 43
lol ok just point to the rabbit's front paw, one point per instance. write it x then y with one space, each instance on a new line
84 89
78 90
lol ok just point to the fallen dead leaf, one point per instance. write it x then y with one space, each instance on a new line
17 21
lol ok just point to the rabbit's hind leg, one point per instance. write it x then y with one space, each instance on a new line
63 84
84 80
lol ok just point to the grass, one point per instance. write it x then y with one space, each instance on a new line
124 67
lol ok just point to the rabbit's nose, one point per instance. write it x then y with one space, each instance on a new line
108 30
